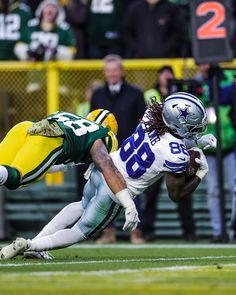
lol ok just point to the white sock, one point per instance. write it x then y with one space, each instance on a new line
66 217
60 239
3 174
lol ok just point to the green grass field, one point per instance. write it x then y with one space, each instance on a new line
125 269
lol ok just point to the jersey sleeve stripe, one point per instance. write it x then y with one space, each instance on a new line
175 167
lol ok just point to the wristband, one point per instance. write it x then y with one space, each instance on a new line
201 173
125 198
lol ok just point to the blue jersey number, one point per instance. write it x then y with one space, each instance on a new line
176 148
137 154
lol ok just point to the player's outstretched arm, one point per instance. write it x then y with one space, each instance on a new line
104 164
206 141
116 183
179 188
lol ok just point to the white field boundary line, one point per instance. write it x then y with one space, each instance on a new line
149 246
120 271
154 246
115 261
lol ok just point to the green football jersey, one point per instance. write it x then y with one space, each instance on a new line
80 134
10 26
34 35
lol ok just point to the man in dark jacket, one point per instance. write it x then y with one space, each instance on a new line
123 99
126 102
162 31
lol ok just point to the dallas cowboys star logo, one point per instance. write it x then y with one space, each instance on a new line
184 113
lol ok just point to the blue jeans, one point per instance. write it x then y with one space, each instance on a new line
213 196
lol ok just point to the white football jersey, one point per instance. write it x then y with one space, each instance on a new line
144 157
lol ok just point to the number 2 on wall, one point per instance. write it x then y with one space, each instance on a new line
211 29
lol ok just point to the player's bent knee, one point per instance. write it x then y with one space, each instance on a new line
14 178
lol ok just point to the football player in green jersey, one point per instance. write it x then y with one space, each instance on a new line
13 17
29 150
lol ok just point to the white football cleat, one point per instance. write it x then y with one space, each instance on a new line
38 255
15 248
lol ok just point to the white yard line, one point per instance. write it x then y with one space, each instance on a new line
154 246
118 271
115 261
149 246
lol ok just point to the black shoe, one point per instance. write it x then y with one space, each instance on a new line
219 239
232 235
149 237
190 238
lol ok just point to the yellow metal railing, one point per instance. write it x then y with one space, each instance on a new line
34 90
37 89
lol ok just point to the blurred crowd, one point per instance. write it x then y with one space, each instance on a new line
91 29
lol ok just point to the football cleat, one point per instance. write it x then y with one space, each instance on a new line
15 248
38 255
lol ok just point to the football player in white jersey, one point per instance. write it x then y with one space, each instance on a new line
155 149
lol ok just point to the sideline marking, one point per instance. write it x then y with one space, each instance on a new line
118 271
154 246
149 246
116 261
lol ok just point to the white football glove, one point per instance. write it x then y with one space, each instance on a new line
207 141
131 218
60 168
131 213
203 169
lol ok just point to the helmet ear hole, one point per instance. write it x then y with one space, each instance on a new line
104 118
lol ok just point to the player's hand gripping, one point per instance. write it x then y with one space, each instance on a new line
131 218
203 169
208 141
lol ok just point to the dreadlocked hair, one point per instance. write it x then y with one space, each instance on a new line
153 118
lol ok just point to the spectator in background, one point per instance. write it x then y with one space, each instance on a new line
76 16
83 108
233 41
160 91
226 96
14 16
33 4
154 29
232 235
105 20
126 102
47 37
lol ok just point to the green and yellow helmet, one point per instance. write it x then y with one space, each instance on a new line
107 120
104 118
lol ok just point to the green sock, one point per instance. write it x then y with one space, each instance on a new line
14 177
